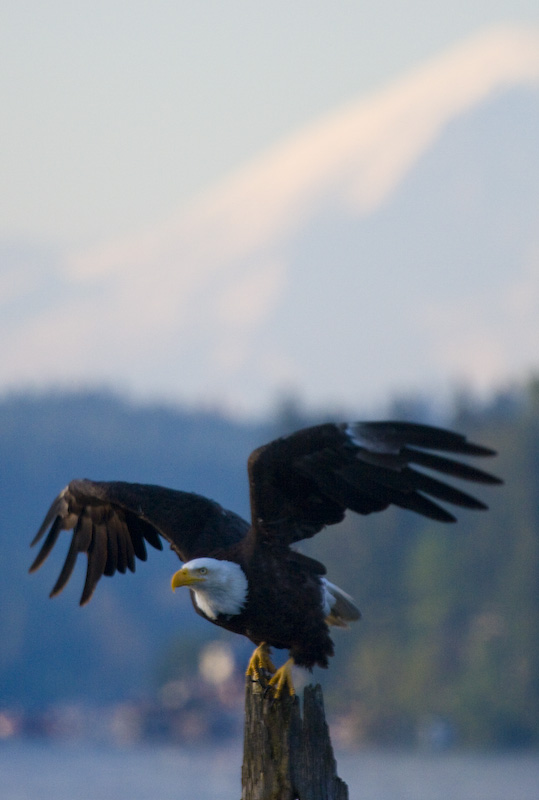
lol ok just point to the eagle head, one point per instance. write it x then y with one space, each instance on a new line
219 587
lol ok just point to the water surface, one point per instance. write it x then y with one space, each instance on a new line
31 771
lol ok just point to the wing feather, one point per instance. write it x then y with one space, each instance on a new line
48 544
447 466
298 485
113 522
122 540
302 482
97 559
115 529
67 569
80 543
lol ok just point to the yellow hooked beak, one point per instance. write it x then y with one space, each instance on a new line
184 578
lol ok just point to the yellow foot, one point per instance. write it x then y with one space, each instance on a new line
260 660
282 679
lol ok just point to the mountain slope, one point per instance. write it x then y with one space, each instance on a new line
392 245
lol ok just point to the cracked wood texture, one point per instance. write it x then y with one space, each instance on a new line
287 756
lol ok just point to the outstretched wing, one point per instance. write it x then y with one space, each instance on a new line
112 522
302 482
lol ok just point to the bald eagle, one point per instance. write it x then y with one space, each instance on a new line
245 577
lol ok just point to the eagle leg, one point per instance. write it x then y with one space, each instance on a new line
260 660
283 678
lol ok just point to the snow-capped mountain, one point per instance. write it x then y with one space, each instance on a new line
393 245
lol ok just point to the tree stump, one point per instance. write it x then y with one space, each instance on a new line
285 756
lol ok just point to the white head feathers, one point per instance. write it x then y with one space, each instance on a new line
224 588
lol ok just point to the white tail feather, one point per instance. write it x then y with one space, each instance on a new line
339 608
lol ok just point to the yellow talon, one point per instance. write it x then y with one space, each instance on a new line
282 678
260 660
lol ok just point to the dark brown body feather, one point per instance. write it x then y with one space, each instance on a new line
298 485
284 588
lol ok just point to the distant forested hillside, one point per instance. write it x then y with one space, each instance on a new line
450 613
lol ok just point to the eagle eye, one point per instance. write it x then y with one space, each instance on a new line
202 570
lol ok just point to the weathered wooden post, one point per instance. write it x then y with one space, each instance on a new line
285 756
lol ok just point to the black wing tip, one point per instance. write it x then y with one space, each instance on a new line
36 563
493 479
38 536
477 505
60 584
440 515
52 515
419 434
473 449
90 586
85 598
